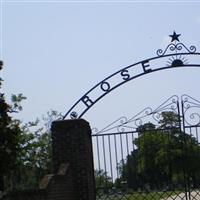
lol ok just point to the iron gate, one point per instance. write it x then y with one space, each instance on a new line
153 155
156 153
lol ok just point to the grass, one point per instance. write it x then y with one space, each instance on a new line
140 196
149 196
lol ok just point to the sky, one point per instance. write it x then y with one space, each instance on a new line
55 51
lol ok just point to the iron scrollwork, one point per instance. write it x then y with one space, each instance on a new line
179 56
123 124
176 47
190 110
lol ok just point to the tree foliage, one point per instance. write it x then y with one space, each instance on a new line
25 149
164 157
10 134
35 160
102 181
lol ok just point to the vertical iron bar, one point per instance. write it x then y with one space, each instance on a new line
110 158
169 135
122 155
132 141
98 155
104 154
191 131
141 135
184 151
182 146
116 158
196 130
127 146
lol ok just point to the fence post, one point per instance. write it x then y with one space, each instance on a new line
72 144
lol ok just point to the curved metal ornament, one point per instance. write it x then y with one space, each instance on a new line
176 47
191 110
147 115
178 56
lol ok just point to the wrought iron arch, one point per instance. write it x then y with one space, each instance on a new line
179 56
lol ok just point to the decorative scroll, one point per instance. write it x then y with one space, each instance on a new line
170 104
191 110
147 115
175 48
179 56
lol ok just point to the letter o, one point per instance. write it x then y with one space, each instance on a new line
105 86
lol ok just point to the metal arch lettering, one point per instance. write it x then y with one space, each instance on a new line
125 75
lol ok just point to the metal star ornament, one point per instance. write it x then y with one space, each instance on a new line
175 37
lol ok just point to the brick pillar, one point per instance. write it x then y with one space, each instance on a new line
72 144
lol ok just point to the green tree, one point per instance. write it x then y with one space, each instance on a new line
10 133
25 149
129 172
163 156
169 120
35 159
102 181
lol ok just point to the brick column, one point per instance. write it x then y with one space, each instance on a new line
72 144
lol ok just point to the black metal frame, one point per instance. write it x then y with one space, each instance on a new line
115 139
178 57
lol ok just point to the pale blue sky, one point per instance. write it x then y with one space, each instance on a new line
55 51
